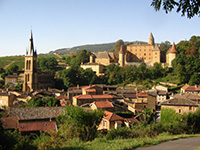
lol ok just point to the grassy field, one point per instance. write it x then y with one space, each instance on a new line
122 144
19 60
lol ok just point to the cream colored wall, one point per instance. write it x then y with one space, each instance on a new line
171 56
156 56
7 100
102 126
97 68
142 51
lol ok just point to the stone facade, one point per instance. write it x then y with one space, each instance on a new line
96 67
147 52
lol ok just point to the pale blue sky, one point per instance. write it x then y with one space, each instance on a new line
67 23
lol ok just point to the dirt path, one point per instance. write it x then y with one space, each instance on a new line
9 64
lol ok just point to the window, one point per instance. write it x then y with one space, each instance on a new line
144 54
179 110
105 124
136 50
140 50
149 53
144 49
155 53
13 80
44 124
7 80
102 122
22 127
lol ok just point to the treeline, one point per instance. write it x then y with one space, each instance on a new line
186 66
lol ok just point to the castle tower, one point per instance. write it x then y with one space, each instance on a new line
171 55
156 54
151 39
121 56
30 68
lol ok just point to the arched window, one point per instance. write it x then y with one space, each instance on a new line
27 77
27 65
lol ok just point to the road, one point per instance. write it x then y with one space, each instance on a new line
181 144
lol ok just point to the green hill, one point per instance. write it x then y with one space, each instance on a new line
91 47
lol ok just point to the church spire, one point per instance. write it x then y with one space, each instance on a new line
31 51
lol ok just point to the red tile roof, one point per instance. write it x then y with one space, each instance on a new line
91 90
37 126
93 97
112 117
191 88
62 97
103 104
173 49
142 94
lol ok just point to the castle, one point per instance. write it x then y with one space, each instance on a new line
142 52
34 79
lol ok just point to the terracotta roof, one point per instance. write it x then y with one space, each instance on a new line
37 126
142 94
91 90
62 97
103 104
111 54
93 96
121 51
191 87
10 122
180 102
112 117
172 49
31 113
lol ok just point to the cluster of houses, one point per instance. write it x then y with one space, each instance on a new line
112 99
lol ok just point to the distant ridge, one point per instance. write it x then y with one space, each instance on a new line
91 47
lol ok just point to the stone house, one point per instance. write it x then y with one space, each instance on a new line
180 105
96 67
11 79
105 105
33 119
6 99
195 89
110 121
83 99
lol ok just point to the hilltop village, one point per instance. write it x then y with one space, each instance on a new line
33 98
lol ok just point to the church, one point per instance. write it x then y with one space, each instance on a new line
34 79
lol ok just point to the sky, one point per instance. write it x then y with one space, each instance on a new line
67 23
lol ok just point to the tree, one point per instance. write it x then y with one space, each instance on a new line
114 74
117 47
51 101
47 64
78 122
188 7
195 79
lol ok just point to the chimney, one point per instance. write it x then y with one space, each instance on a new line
196 86
77 86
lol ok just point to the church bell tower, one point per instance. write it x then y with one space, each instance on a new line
30 68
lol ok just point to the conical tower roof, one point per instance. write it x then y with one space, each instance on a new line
173 49
31 51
